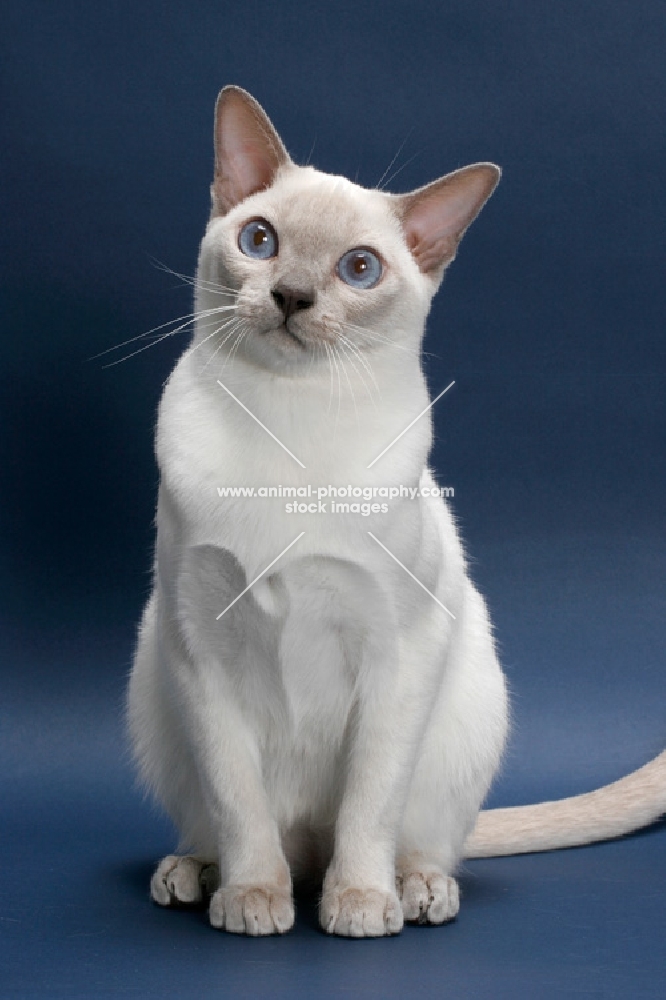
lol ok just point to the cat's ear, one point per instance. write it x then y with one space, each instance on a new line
434 218
248 150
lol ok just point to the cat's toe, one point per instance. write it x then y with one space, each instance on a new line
253 910
445 899
352 912
182 880
428 897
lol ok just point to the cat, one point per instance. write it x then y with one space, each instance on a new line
315 692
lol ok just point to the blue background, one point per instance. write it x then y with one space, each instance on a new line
551 323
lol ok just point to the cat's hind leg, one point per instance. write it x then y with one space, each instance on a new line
427 895
459 756
184 880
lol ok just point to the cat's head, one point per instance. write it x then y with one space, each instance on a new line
306 261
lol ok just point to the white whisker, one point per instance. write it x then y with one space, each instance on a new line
380 338
140 350
330 368
219 329
378 185
357 354
234 347
346 350
313 354
190 319
351 387
230 329
399 170
334 355
314 141
196 281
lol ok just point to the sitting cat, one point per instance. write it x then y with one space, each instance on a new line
317 692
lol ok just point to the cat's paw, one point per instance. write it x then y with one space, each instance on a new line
352 912
183 880
252 909
428 896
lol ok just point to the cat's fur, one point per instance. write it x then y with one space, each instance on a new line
336 720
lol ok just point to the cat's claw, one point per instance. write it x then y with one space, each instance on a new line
358 913
428 897
255 910
183 880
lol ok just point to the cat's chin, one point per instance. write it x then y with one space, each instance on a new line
279 350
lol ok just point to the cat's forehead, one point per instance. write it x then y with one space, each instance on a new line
307 203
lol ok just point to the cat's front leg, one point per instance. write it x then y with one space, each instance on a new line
255 894
394 699
214 676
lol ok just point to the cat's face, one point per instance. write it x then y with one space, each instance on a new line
316 261
307 263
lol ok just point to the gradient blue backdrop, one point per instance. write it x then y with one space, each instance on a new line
551 323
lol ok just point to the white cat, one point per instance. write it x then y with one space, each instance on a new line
344 716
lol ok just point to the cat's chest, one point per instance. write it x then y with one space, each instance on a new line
320 652
255 479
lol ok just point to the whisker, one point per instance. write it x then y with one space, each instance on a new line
341 356
195 281
189 317
307 162
231 332
145 347
157 340
211 286
234 347
350 352
234 325
400 169
337 369
239 340
330 368
241 337
219 329
378 185
380 338
357 354
313 354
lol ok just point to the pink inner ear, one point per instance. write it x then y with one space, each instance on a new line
248 150
436 217
431 241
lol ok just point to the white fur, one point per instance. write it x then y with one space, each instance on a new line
336 719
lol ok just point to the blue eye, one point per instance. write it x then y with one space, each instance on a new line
258 239
360 268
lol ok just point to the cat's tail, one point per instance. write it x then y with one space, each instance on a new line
612 811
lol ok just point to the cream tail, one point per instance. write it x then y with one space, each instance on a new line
616 809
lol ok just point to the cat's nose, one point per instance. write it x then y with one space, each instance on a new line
291 300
